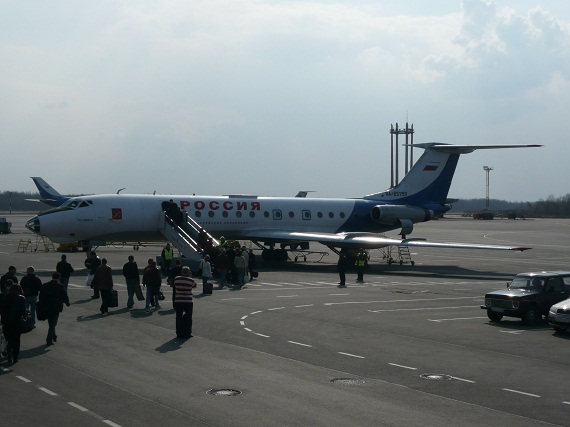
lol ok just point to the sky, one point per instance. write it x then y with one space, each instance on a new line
272 97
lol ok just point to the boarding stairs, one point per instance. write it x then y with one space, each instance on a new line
188 237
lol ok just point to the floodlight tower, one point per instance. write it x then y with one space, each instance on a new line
487 169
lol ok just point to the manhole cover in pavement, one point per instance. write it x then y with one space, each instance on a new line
224 392
348 381
436 377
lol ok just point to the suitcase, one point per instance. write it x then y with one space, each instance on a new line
113 299
139 293
208 288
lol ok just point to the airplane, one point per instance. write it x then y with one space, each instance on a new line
270 221
49 195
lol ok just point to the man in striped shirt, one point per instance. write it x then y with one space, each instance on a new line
183 303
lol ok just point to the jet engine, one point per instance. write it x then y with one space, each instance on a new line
400 215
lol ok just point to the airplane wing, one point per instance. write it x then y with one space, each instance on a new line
366 240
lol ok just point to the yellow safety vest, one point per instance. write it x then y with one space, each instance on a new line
168 254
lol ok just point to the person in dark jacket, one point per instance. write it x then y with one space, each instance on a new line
92 263
64 269
341 266
152 280
131 273
52 298
31 285
103 283
13 309
11 275
251 264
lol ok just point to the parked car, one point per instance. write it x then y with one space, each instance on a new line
559 315
528 296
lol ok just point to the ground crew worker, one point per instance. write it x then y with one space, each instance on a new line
360 263
341 266
167 256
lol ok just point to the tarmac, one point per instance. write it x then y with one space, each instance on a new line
410 346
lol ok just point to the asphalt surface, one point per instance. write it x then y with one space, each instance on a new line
409 347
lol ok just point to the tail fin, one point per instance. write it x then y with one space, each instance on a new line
429 180
49 195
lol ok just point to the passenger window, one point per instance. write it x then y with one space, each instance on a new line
277 215
266 214
197 214
306 215
291 214
320 214
555 284
251 214
238 214
225 214
331 215
211 214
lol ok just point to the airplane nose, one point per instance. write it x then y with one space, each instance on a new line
33 224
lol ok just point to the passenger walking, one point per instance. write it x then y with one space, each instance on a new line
152 280
184 304
206 275
64 269
52 298
245 256
251 265
31 285
92 263
131 273
103 283
13 309
239 264
172 273
222 268
9 275
341 267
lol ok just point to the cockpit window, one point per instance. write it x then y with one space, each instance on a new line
83 204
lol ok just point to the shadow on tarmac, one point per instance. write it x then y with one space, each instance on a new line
171 345
96 316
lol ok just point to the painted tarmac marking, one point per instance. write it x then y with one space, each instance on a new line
304 305
464 380
286 296
261 335
456 318
111 423
76 406
271 284
242 323
333 295
351 355
244 317
299 343
423 308
290 284
512 332
520 392
248 330
47 391
403 366
228 299
276 308
256 312
401 300
566 403
23 379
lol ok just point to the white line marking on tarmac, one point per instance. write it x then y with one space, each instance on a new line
512 332
463 379
241 322
351 355
401 300
244 317
335 295
299 343
455 318
423 308
290 284
310 284
261 335
276 308
286 296
76 406
304 305
23 379
256 312
47 391
403 366
228 299
111 423
248 330
271 284
566 403
520 392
